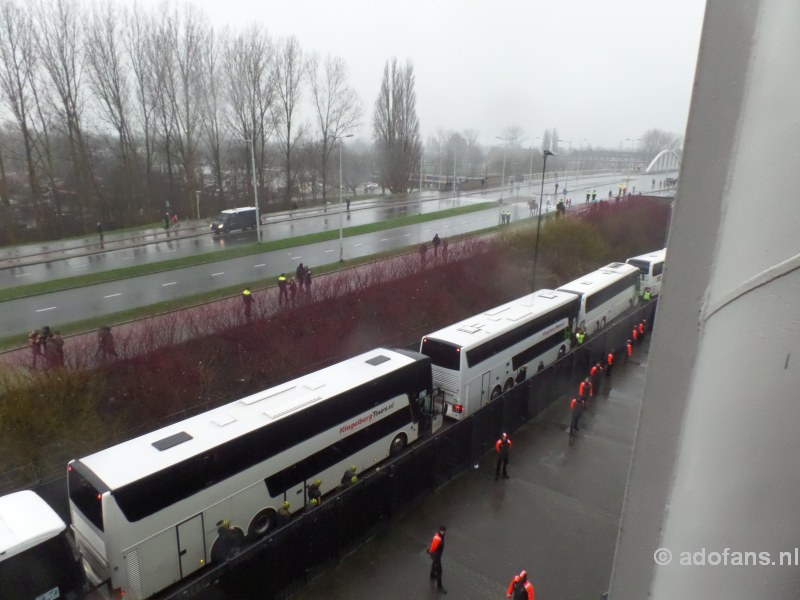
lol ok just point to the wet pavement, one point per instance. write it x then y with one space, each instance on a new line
556 517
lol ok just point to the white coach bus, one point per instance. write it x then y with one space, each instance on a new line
651 270
150 511
477 359
37 558
604 294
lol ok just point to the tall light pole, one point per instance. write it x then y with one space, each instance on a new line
503 178
455 152
341 223
545 154
255 187
633 143
566 168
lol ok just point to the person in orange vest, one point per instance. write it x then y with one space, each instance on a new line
609 362
628 351
585 391
502 447
513 587
642 329
525 589
595 372
635 334
576 407
435 551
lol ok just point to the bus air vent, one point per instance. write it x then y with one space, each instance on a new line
223 420
376 360
272 393
171 441
281 408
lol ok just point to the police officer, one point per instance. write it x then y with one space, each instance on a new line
580 336
247 299
646 294
314 493
283 289
284 516
349 477
435 551
502 447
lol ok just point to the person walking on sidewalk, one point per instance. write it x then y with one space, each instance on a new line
435 551
576 407
247 301
105 343
502 447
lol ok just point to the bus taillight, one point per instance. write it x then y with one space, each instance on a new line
458 408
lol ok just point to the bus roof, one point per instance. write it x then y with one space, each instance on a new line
477 329
651 257
597 280
25 521
169 445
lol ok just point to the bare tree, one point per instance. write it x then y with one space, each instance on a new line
654 141
17 68
213 121
60 44
474 155
249 58
337 108
396 126
108 80
289 69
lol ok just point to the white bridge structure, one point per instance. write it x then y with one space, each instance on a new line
666 160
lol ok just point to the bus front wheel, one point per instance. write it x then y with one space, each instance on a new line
495 393
398 444
227 546
262 523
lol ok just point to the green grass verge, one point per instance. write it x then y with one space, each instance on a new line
57 285
77 327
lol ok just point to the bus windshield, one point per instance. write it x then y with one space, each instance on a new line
86 497
442 354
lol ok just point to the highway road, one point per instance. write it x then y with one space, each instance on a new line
22 315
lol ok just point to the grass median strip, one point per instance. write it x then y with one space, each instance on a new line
66 283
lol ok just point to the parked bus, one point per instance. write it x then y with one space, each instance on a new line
151 511
651 269
604 294
477 359
37 557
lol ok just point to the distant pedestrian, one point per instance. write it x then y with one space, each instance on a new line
99 229
423 250
166 222
642 329
283 289
292 291
175 223
635 334
595 374
435 551
300 274
36 347
576 407
585 391
105 343
525 590
57 343
594 195
609 362
444 249
588 195
307 280
247 302
628 351
502 448
436 243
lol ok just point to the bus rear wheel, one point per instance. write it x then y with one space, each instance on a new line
398 444
509 384
495 393
262 523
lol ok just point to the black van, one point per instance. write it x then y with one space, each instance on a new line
233 219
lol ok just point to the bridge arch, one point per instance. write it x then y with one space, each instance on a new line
666 160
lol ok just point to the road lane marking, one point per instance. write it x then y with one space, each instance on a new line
79 265
385 240
296 257
328 250
46 309
259 266
23 275
170 283
113 295
173 250
220 273
406 235
357 245
127 257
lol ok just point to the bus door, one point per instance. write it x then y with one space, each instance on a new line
486 388
191 545
438 408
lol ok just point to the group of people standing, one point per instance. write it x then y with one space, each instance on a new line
47 347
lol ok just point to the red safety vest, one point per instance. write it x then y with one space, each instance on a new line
585 387
528 588
610 359
499 443
635 334
511 586
435 543
641 328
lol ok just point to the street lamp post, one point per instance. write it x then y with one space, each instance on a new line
545 154
255 187
566 168
503 177
341 224
197 202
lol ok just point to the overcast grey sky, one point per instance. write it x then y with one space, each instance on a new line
597 70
